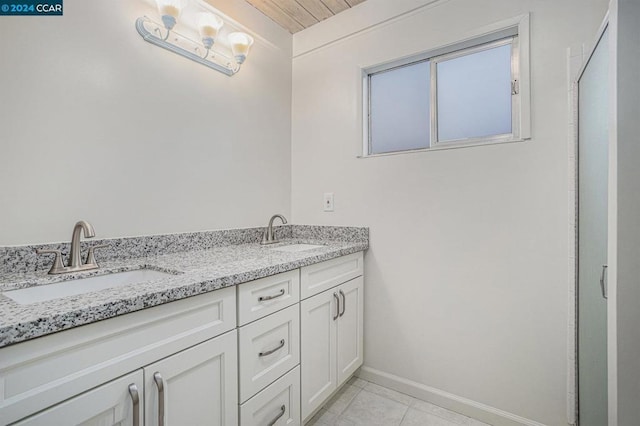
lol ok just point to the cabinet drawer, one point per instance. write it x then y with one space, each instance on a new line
268 348
259 298
279 402
45 371
317 278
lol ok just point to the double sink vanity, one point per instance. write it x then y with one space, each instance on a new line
208 328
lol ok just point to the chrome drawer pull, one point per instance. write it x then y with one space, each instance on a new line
135 398
335 295
280 414
263 298
160 383
344 303
280 346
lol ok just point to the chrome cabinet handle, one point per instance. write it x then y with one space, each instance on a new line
344 303
269 352
602 277
263 298
160 383
280 414
135 398
335 295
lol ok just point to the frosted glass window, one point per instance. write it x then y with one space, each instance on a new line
459 95
474 95
399 109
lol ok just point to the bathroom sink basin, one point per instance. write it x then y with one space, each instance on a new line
292 248
42 293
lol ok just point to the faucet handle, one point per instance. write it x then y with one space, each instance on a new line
57 266
91 258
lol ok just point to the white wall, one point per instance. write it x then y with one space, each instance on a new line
466 274
97 124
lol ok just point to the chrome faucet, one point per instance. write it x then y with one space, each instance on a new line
269 237
75 262
74 254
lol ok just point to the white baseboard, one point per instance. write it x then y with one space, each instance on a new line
444 399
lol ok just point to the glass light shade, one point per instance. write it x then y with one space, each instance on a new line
170 7
209 25
240 45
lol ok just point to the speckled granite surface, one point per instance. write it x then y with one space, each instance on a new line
197 263
24 259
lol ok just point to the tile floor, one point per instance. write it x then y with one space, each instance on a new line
363 403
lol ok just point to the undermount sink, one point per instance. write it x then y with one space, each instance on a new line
42 293
292 248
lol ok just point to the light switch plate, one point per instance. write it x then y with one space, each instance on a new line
328 201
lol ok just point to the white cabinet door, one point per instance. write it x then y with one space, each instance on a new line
318 317
111 404
198 386
331 326
349 329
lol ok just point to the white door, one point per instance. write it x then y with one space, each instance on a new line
350 328
117 403
198 386
593 149
318 316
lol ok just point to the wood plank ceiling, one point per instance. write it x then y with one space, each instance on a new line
296 15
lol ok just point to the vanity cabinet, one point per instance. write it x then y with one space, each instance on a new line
266 352
71 370
295 353
331 328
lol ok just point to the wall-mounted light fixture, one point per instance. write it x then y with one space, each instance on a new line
203 52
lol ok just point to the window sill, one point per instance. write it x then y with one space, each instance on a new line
446 146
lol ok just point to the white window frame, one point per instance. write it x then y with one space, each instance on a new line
514 31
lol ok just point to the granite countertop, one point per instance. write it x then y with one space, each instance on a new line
191 272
